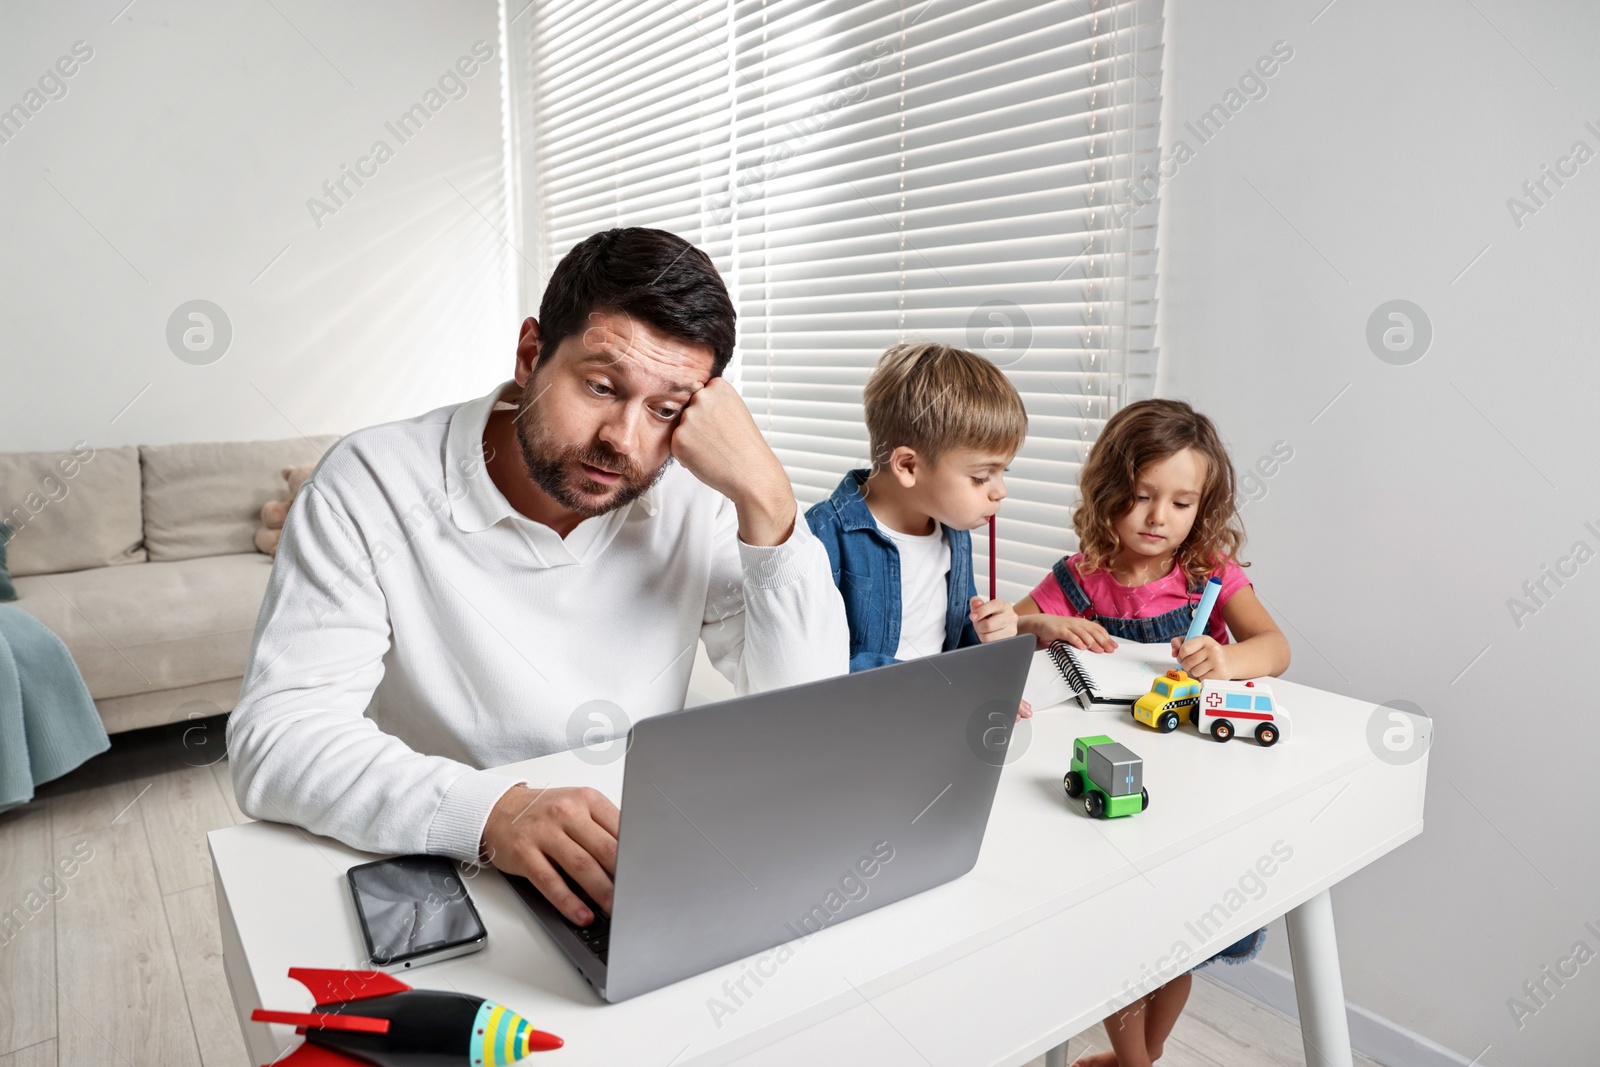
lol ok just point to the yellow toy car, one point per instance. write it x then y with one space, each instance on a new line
1172 698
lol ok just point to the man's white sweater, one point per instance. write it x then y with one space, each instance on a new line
417 628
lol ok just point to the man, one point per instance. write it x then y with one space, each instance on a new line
454 590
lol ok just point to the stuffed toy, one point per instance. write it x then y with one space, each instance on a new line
275 512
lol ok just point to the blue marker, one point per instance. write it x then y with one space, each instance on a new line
1202 614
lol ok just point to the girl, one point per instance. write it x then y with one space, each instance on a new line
1155 519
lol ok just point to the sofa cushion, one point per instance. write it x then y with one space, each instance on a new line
156 626
205 500
69 511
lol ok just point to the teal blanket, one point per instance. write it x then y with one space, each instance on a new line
48 722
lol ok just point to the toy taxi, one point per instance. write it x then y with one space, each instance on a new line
1171 700
1226 708
1108 776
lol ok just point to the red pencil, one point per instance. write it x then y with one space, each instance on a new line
991 558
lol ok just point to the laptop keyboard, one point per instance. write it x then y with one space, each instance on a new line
597 935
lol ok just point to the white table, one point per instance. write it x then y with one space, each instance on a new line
1063 919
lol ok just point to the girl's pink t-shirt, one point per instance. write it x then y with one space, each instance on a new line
1111 598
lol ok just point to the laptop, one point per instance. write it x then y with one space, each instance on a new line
771 817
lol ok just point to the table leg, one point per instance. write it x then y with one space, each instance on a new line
1318 986
1056 1057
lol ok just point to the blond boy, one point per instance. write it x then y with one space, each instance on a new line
943 424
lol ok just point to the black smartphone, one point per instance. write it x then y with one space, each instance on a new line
414 910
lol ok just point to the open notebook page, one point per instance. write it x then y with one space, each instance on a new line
1123 675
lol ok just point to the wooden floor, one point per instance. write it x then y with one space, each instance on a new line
124 966
1218 1028
121 963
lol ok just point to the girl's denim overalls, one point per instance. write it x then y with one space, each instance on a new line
1174 623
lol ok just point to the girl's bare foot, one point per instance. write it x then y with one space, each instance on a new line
1096 1059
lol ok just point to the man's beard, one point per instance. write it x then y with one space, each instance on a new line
554 468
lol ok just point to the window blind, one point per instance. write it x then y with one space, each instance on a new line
866 173
626 120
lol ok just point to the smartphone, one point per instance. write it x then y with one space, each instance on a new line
414 910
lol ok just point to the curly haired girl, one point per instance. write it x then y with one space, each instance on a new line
1155 519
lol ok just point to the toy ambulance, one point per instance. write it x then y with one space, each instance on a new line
1108 776
1226 708
1171 700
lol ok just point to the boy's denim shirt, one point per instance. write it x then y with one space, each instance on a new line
866 568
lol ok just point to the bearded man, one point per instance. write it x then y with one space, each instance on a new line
461 590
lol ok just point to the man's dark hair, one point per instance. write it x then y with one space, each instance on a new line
653 276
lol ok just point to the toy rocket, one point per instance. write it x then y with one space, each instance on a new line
363 1018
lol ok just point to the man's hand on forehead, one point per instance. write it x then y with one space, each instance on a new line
718 442
714 438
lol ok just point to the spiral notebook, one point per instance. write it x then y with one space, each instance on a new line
1111 680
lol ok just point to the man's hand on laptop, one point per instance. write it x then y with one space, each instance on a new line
531 830
718 442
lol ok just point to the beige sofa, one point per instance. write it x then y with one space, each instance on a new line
143 561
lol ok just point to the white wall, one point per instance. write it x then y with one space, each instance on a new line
1378 166
178 166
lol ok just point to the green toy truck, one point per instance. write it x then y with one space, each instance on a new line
1108 776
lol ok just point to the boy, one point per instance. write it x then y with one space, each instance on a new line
943 424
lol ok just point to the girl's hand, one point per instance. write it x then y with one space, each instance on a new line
1079 633
994 620
1203 658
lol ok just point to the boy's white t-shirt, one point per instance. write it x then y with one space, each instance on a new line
924 590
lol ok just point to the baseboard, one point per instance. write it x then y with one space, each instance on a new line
1371 1034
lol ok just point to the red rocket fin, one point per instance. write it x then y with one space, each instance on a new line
336 987
322 1021
309 1055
